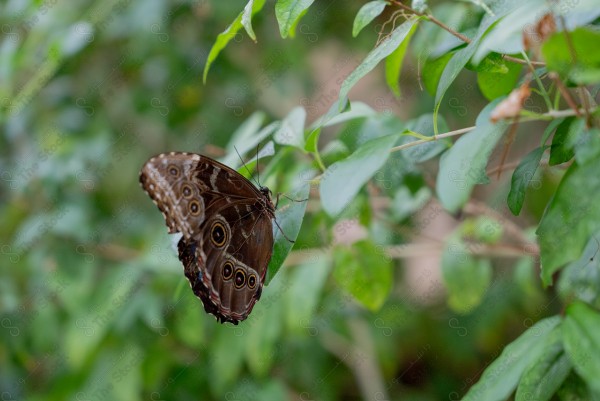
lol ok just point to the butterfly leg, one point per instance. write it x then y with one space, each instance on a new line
279 194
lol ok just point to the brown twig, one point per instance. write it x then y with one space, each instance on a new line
565 93
509 140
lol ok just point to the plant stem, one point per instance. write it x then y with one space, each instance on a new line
440 136
539 81
565 93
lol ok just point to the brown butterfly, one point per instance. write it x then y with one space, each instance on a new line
227 228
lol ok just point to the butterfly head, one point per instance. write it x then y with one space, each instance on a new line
266 192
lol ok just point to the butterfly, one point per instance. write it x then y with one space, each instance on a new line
226 224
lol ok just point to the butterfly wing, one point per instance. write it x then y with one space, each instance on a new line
227 265
186 186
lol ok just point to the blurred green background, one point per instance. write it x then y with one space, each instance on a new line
93 302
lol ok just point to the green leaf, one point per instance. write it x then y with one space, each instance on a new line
306 285
247 14
546 374
506 36
288 220
423 125
384 49
454 66
562 150
466 278
342 180
288 12
462 56
582 343
496 84
352 111
432 72
464 164
246 137
312 141
587 145
482 229
581 278
393 63
521 178
366 14
500 378
583 69
550 129
493 62
364 272
264 326
224 37
572 216
291 130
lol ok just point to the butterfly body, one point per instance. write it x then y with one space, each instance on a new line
226 225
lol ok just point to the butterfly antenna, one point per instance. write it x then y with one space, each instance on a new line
246 167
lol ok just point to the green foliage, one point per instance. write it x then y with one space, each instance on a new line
463 166
578 61
364 272
467 278
366 14
570 218
521 179
384 49
398 270
342 180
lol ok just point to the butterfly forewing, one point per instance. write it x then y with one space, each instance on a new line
226 225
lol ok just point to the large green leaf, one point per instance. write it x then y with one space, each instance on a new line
342 180
587 144
572 216
463 166
366 14
288 12
432 72
467 278
580 279
495 84
584 69
393 63
500 378
288 220
306 284
243 19
460 59
247 14
291 130
563 140
582 342
364 272
506 36
246 138
423 126
384 49
546 374
521 178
